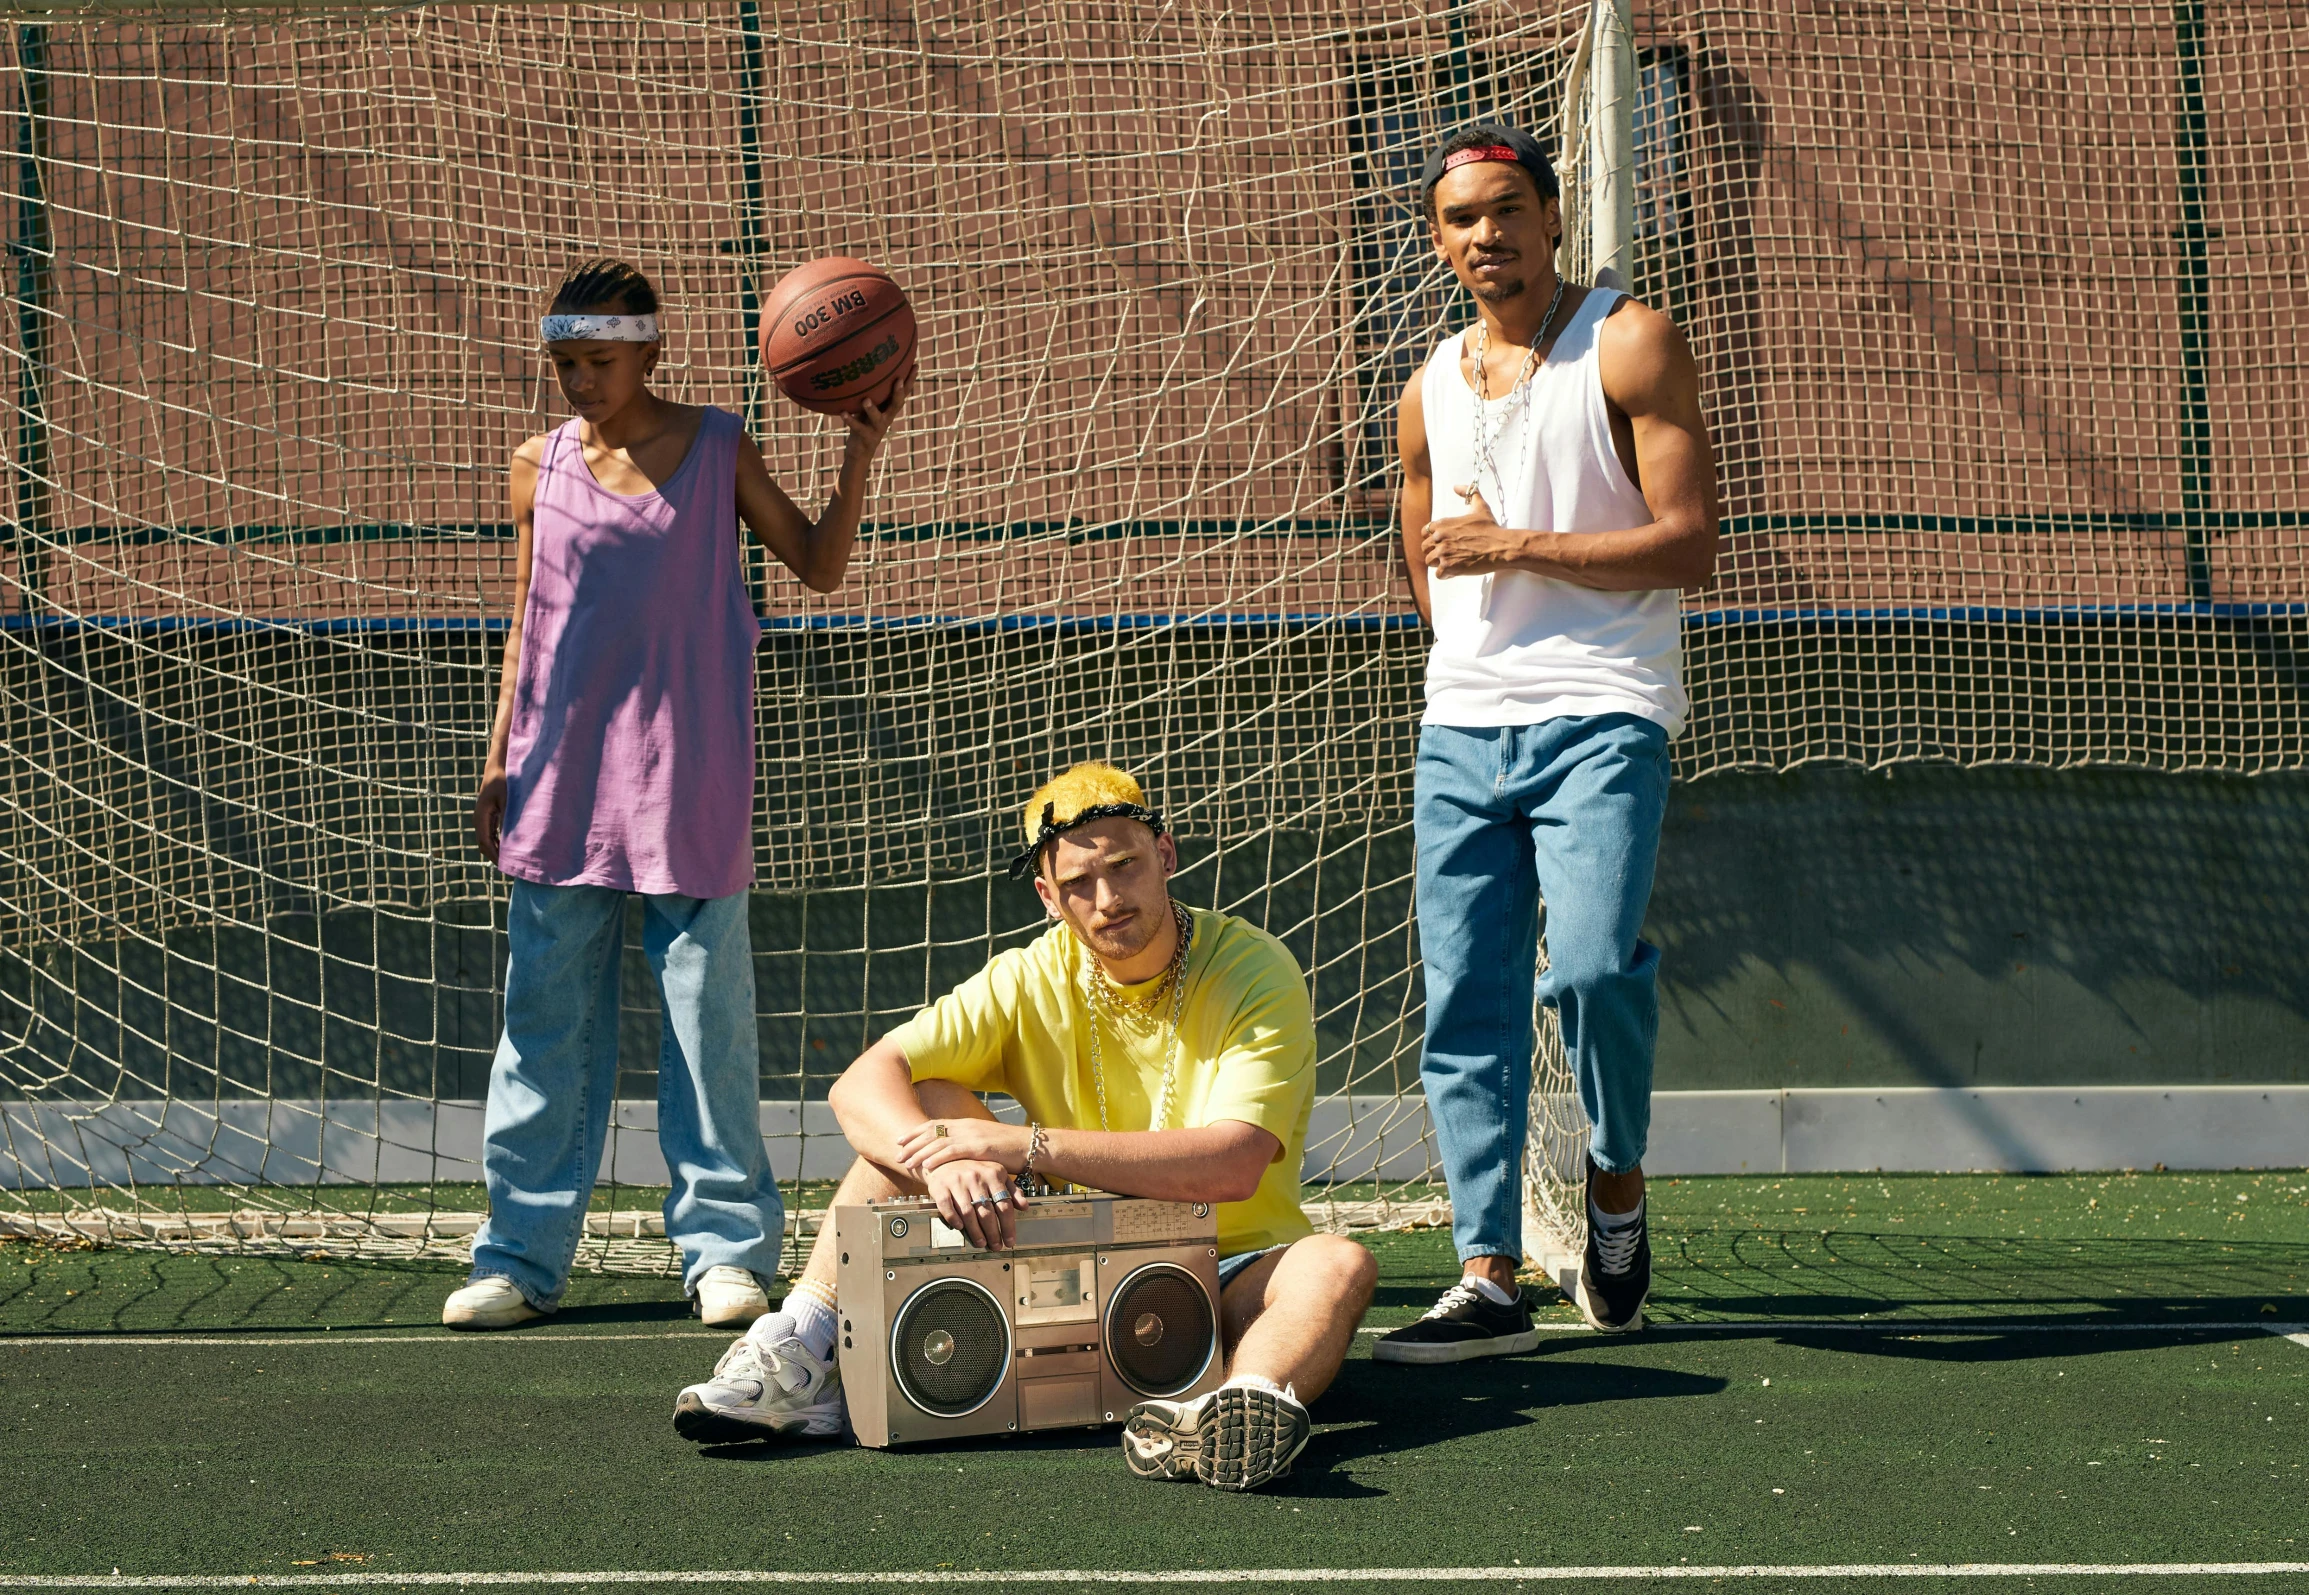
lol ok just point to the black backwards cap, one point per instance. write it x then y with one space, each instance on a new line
1502 143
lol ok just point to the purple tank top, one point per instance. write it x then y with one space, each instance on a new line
631 760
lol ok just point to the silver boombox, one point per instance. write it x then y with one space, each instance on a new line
1103 1302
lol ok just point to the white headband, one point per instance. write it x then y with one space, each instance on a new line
609 329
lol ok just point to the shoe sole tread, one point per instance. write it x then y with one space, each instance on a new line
1249 1439
1175 1462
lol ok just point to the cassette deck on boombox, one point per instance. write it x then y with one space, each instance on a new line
1103 1302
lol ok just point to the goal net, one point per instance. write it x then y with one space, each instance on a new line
1997 308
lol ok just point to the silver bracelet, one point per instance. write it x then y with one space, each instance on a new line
1036 1139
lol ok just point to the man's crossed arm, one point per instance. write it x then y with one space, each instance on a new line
970 1169
1650 378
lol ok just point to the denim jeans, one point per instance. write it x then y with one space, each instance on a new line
1566 812
555 1076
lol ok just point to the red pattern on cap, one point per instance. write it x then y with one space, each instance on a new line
1479 152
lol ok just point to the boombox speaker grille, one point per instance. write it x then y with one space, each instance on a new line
950 1347
1159 1329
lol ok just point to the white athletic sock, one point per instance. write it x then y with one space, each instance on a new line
1487 1290
809 1316
1253 1381
1616 1235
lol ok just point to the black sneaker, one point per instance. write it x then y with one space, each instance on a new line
1614 1303
1464 1325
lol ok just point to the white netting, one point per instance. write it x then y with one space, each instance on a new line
1998 310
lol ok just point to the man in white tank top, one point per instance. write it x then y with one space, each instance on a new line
1577 494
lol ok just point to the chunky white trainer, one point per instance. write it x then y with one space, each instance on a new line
1236 1437
491 1303
763 1392
730 1298
1161 1439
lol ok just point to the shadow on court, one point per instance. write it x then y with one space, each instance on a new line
1960 1346
46 1290
1783 1274
1379 1411
1374 1412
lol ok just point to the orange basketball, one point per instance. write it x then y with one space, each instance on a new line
836 333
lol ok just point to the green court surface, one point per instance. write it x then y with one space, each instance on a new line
1848 1382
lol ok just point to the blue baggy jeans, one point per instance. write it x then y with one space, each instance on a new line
1566 811
555 1075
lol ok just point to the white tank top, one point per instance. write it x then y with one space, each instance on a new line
1514 648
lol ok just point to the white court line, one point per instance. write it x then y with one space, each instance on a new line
1914 1326
323 1337
1192 1575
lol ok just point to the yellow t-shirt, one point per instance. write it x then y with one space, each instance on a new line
1246 1051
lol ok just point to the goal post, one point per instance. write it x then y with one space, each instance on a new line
1596 172
1610 189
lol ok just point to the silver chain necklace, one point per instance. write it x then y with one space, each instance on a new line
1484 437
1104 997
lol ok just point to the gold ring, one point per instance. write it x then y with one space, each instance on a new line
941 1131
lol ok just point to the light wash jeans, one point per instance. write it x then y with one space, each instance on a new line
1567 811
555 1075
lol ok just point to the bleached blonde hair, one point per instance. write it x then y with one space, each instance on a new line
1087 786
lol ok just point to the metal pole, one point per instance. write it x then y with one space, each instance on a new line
753 228
34 248
2196 300
1612 146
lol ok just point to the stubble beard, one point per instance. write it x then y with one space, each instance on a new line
1121 943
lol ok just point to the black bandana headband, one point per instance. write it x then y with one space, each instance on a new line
1051 829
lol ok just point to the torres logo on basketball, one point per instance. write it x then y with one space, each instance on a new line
837 333
842 376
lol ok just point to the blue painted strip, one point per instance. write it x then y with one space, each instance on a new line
1991 615
234 624
1077 530
1703 619
2188 522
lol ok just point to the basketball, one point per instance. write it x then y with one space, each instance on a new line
836 333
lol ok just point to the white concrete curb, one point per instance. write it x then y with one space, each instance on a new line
1914 1129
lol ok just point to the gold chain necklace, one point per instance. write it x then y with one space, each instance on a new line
1104 997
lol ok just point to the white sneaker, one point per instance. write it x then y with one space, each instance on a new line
1251 1437
730 1298
1231 1438
491 1303
1161 1439
763 1392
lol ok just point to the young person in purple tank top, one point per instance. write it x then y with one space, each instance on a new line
622 762
1566 425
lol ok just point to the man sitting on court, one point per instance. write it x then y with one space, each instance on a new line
1158 1052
